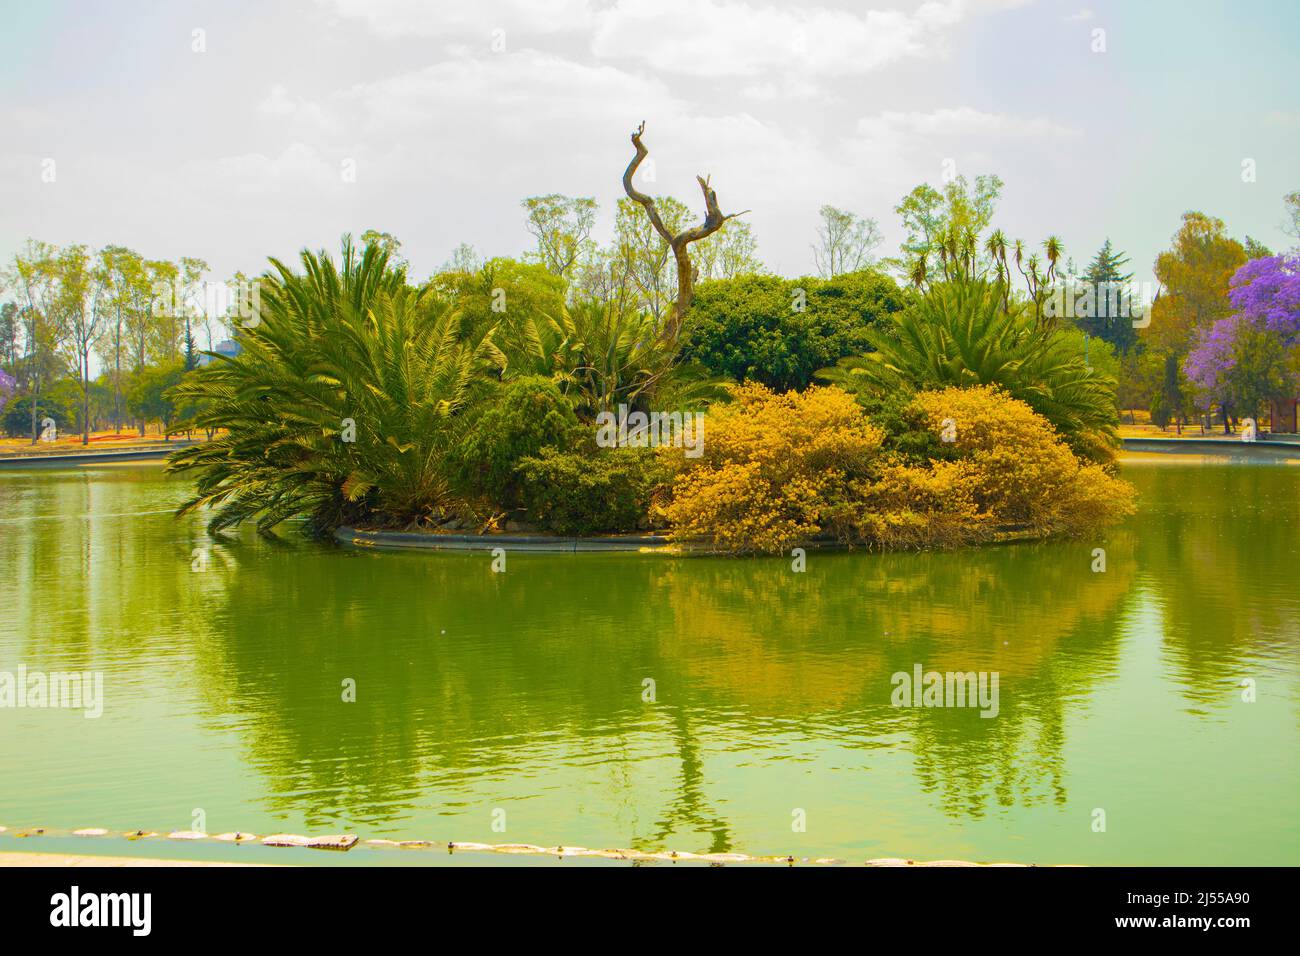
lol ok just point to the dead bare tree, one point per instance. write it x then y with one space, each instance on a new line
714 219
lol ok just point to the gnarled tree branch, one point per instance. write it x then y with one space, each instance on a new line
714 219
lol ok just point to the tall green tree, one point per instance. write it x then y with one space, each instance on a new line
151 395
1194 273
35 275
10 334
846 242
1172 400
643 257
561 227
119 266
506 304
730 252
81 308
1106 286
193 306
929 215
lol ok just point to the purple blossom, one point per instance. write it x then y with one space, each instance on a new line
1267 291
1208 364
7 388
1266 294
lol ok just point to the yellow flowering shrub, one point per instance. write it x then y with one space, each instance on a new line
779 469
914 507
1019 471
775 469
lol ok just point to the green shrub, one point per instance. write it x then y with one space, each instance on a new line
526 415
779 332
17 422
907 433
608 491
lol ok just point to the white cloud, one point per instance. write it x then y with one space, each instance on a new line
299 168
731 38
961 122
448 136
296 113
713 38
440 19
515 93
277 102
788 89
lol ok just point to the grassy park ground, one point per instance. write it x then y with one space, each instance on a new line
100 442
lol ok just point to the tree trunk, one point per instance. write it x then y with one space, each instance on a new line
714 219
1282 415
36 398
85 397
117 375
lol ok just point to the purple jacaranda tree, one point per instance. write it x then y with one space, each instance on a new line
1266 294
7 388
1208 364
1267 291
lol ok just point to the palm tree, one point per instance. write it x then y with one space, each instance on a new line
340 402
969 247
1054 249
919 274
958 333
996 247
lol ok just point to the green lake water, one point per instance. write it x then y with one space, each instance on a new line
486 699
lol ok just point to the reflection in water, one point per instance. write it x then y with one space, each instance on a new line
523 691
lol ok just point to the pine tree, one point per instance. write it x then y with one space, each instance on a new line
1110 319
1171 399
191 349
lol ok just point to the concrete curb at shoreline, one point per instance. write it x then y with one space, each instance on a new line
1227 447
95 458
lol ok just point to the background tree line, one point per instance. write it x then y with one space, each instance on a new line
87 340
91 339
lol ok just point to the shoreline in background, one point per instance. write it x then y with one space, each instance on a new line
95 456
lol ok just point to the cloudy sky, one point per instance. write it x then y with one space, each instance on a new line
235 142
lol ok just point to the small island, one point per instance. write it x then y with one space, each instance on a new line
509 399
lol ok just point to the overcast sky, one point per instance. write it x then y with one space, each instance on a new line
451 113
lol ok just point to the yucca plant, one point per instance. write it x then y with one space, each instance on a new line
339 406
959 333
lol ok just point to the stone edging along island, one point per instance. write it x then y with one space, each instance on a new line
554 544
558 544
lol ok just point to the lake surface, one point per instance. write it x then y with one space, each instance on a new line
518 698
